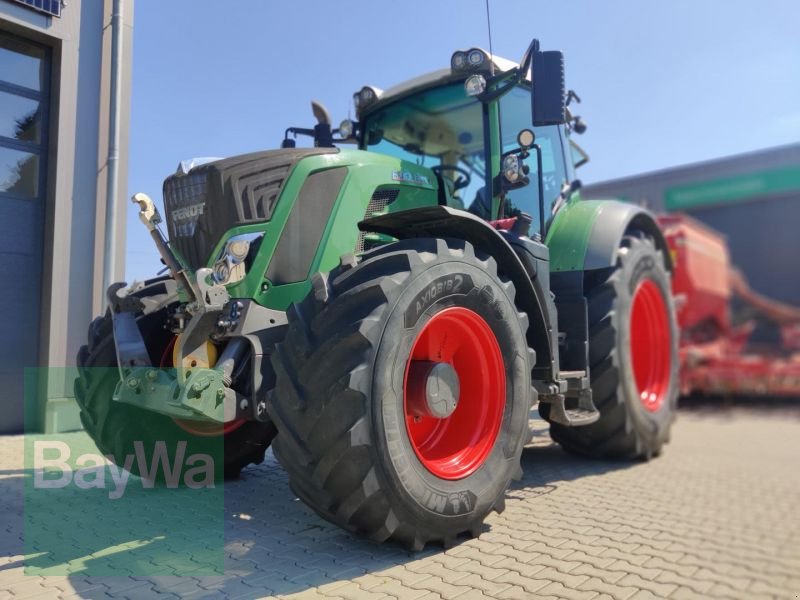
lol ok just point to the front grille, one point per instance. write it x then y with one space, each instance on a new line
185 202
378 204
203 205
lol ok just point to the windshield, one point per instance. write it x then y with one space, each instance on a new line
438 126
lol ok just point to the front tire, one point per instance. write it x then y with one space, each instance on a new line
360 446
633 355
116 427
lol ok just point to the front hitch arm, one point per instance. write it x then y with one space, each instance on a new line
148 214
182 392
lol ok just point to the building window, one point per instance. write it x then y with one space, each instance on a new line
24 94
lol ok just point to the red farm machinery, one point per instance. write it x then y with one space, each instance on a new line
734 341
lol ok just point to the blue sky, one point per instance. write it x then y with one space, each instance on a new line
662 83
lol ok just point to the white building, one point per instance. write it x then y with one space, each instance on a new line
55 121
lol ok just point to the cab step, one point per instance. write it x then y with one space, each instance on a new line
573 387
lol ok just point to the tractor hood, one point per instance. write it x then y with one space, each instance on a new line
202 204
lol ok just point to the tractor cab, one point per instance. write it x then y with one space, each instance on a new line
458 121
464 124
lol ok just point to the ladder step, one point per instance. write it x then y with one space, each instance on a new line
584 414
580 416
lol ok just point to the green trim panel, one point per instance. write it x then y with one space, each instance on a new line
733 189
568 235
366 171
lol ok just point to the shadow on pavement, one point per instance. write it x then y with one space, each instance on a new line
167 539
545 464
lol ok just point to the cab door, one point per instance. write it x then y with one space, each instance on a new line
515 115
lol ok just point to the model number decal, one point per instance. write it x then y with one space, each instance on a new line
457 283
409 177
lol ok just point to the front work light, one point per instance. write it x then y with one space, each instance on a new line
365 96
222 272
475 85
458 61
476 57
231 266
511 168
237 249
346 129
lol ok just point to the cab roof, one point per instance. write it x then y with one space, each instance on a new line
432 79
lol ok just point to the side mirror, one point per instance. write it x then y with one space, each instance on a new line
549 104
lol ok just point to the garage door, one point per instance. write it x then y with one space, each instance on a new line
24 86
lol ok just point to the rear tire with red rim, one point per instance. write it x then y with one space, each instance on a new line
633 355
403 392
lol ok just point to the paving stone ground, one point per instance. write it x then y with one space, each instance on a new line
716 516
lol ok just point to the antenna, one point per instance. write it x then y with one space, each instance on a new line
489 27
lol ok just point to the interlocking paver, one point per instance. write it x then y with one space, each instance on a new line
355 592
395 588
601 586
570 580
661 590
478 568
517 580
487 586
30 587
568 593
692 524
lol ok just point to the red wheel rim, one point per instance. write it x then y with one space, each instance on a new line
454 447
651 344
199 428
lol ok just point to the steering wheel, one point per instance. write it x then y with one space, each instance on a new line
459 183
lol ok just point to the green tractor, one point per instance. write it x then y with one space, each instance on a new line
387 317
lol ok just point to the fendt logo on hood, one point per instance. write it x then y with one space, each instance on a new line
186 213
184 219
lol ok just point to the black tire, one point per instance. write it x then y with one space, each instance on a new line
115 427
626 429
338 401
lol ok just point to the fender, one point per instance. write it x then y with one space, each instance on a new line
532 293
586 234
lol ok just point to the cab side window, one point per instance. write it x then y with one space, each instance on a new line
515 115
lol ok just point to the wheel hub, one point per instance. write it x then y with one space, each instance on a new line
433 389
454 393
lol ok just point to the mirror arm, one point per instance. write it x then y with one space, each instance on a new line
511 77
507 80
525 63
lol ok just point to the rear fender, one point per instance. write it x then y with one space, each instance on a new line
586 235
